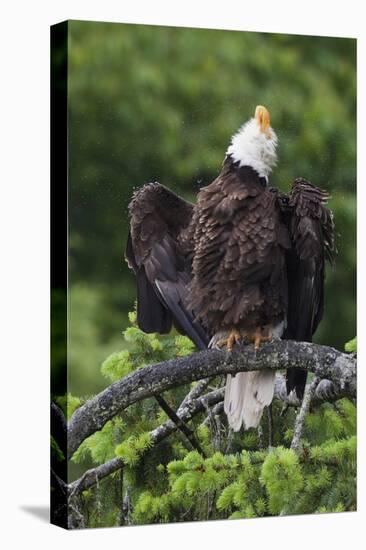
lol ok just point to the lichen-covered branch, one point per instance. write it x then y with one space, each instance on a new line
325 391
324 361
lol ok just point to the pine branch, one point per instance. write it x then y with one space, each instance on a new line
192 405
324 361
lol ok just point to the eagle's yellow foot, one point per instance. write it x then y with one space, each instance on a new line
258 337
233 338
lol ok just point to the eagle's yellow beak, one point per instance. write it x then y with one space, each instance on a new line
262 117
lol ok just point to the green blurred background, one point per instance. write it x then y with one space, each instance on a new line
157 103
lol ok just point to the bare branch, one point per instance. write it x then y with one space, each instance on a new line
180 424
300 419
324 361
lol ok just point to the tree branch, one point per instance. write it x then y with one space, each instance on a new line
58 425
324 361
300 419
192 405
325 392
180 424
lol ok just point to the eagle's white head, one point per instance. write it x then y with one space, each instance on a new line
255 143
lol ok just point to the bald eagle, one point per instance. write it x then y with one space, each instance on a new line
246 263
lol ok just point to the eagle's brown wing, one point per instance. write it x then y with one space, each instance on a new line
159 252
311 228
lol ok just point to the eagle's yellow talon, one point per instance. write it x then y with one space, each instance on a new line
258 338
233 338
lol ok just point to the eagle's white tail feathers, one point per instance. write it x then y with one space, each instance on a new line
246 395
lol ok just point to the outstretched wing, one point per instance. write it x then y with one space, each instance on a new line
159 252
311 228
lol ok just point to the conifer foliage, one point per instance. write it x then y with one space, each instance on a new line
242 475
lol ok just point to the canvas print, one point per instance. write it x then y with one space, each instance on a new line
203 198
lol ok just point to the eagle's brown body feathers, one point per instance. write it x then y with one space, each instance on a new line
238 270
